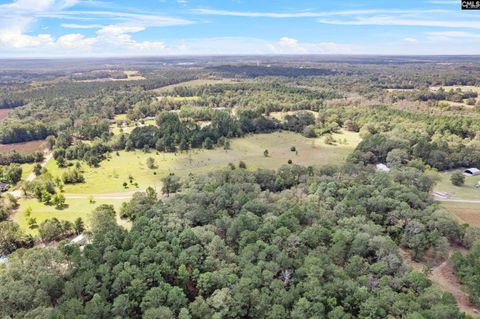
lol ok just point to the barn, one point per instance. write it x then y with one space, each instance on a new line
472 171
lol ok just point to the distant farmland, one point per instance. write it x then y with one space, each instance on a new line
4 113
26 147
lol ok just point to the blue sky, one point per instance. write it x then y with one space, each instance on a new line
83 28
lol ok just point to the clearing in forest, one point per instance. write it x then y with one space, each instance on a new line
113 172
468 191
106 183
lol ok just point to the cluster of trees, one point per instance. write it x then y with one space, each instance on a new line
46 189
13 131
8 102
467 269
438 154
172 132
94 75
73 176
253 71
11 174
20 158
8 203
441 94
264 96
54 229
297 243
13 238
92 154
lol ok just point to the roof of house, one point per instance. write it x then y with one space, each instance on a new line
473 170
382 167
3 185
78 239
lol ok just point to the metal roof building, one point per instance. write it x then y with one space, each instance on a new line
472 171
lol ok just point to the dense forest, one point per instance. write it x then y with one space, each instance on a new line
296 243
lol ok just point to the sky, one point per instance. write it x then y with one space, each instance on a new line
97 28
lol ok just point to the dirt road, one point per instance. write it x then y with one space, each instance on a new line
443 276
48 155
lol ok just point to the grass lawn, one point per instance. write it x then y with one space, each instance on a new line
112 173
463 88
116 130
467 191
26 170
468 213
178 98
119 117
280 116
76 208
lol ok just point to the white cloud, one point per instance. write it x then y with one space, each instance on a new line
410 40
18 17
291 45
392 17
387 20
303 14
81 26
453 36
75 41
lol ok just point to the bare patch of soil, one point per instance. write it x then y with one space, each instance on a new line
443 276
25 147
4 113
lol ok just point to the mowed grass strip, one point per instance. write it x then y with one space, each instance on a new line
75 208
468 213
467 191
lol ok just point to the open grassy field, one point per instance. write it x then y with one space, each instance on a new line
131 76
280 116
467 191
463 88
25 147
178 98
112 173
115 129
468 213
76 208
119 117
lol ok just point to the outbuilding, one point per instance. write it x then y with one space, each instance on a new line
382 168
472 171
4 187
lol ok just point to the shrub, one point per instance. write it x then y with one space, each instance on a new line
457 179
